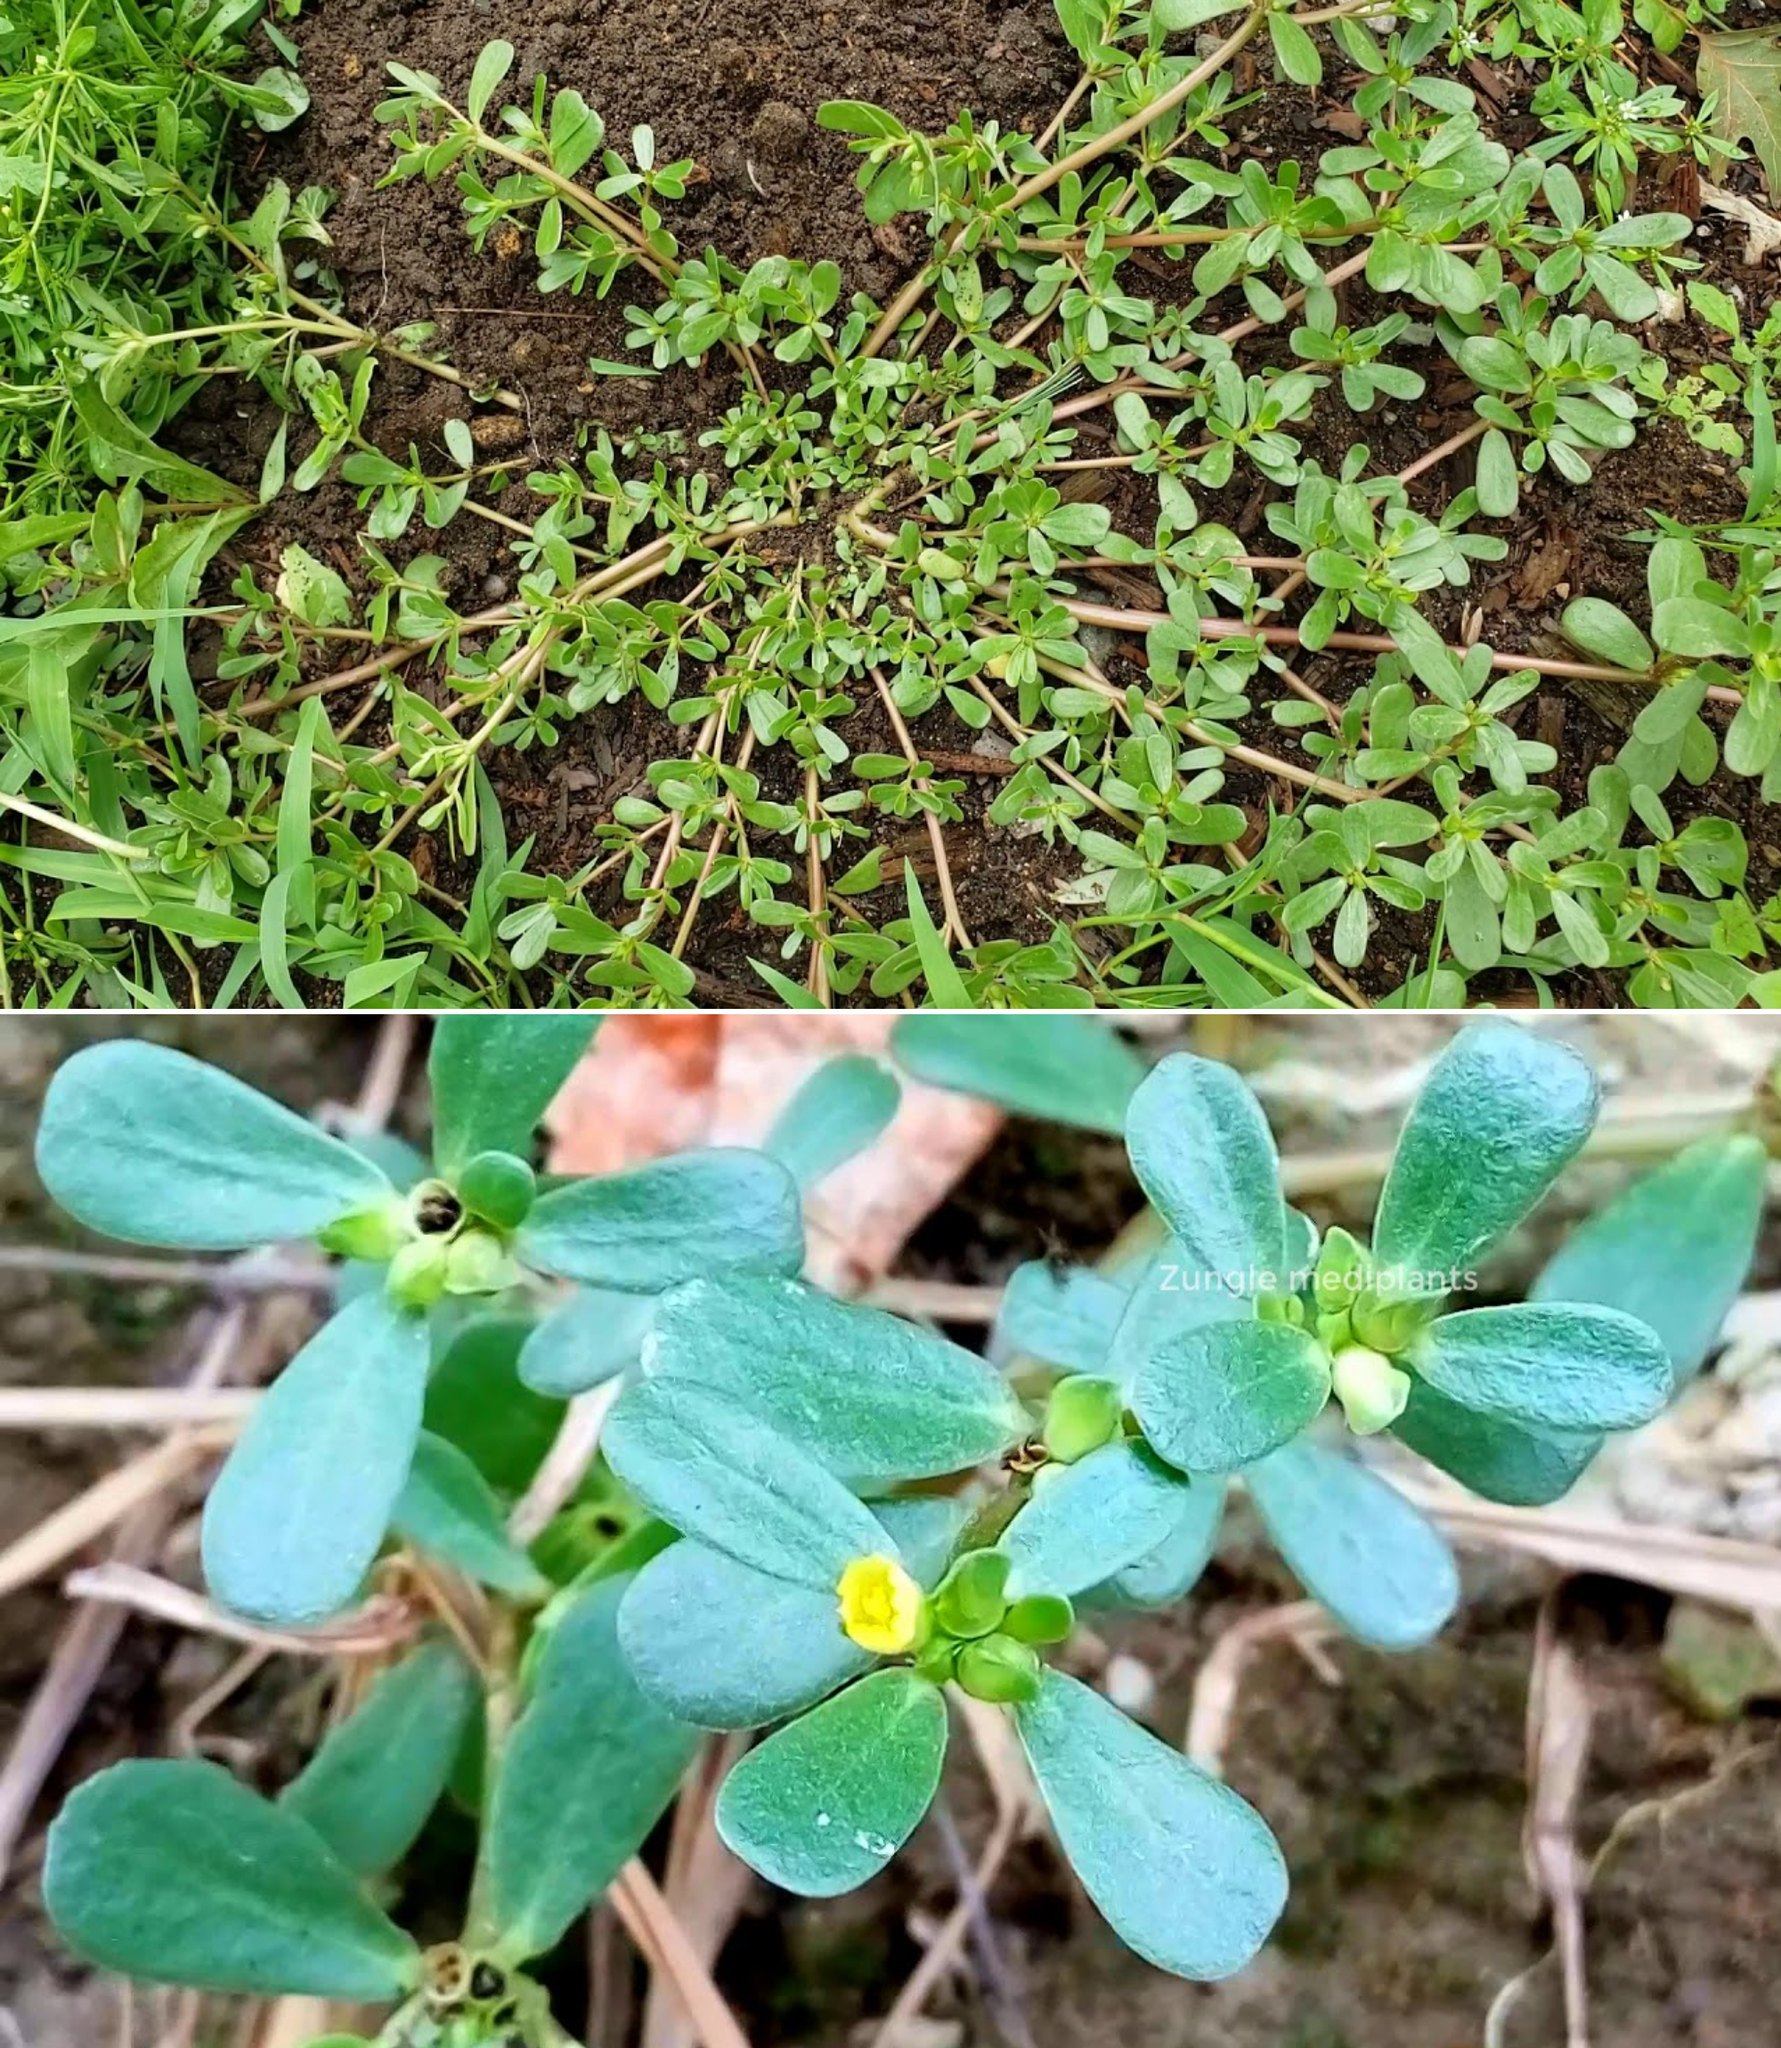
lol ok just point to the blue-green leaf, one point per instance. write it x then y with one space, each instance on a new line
174 1872
585 1340
1088 1520
589 1767
866 1394
370 1787
725 1646
1356 1544
1499 1117
1204 1155
1674 1249
1070 1070
1184 1869
731 1211
148 1145
448 1509
845 1106
1065 1315
299 1510
1224 1394
825 1803
1506 1461
1165 1574
711 1468
1550 1365
494 1076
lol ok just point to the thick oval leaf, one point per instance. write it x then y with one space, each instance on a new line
1204 1155
866 1394
494 1076
1356 1544
1527 1468
843 1107
585 1340
1673 1249
147 1145
720 1211
825 1803
1064 1315
300 1508
1169 1295
370 1787
175 1872
1089 1520
1225 1394
448 1509
724 1646
1184 1869
1165 1574
588 1769
1071 1070
713 1469
1500 1115
1554 1365
476 1401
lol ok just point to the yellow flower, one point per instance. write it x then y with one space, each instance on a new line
880 1605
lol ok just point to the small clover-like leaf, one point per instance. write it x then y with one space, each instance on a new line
825 1803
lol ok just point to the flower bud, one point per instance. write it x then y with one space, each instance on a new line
1371 1389
416 1276
1342 1272
1083 1414
499 1188
999 1669
1040 1618
972 1598
477 1263
370 1234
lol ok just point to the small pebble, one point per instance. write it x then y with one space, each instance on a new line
1129 1683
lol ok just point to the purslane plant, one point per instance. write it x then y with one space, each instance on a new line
147 1145
945 448
812 1517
